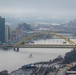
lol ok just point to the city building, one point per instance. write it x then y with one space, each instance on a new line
12 36
19 33
2 30
16 34
7 34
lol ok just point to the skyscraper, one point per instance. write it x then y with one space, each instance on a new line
7 33
2 30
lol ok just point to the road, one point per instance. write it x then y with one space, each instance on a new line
51 73
61 71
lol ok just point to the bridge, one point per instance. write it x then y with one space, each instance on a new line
21 43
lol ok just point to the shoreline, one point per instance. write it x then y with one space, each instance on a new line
31 67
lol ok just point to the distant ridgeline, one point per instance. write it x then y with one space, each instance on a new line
70 57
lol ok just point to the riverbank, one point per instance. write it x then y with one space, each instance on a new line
41 68
11 60
44 67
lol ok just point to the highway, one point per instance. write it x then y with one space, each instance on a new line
61 71
51 73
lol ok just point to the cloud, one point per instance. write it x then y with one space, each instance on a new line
52 8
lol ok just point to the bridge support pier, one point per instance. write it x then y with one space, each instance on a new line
74 48
16 49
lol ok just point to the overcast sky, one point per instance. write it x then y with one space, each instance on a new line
41 8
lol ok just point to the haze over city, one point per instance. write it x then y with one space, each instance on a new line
38 10
37 37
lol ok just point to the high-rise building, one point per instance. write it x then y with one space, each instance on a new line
7 33
2 30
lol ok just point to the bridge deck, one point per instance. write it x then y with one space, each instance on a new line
39 46
46 46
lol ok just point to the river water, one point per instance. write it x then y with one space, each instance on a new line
11 60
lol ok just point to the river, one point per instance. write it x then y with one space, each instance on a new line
11 60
